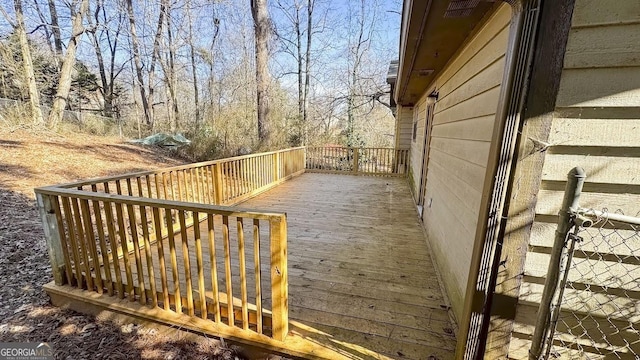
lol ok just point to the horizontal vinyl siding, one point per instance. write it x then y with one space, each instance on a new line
597 127
404 127
464 117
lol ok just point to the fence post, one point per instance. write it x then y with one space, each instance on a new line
279 277
217 183
573 189
52 236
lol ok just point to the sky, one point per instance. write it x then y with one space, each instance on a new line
331 49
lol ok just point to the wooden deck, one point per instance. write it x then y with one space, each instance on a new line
361 281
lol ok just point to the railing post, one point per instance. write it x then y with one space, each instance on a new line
356 159
570 203
52 236
276 166
217 183
304 158
279 277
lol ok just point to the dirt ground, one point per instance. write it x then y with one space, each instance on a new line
29 160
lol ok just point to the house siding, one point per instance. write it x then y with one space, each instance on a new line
404 127
464 117
596 126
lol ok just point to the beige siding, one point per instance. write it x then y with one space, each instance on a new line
469 91
597 126
404 127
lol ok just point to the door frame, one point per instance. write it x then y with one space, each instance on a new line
428 125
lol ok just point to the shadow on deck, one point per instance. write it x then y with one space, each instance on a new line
361 281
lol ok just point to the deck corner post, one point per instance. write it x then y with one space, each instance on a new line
52 236
279 277
217 183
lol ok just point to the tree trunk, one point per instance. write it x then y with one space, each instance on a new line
64 85
44 20
307 70
172 84
262 28
354 79
212 84
194 72
34 95
136 57
107 107
155 54
55 27
298 25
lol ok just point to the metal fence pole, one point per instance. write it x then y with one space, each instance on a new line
575 181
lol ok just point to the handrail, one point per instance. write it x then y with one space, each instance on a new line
172 168
165 204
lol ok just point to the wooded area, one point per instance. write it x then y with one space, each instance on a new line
234 76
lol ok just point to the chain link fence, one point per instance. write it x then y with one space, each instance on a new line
599 313
590 307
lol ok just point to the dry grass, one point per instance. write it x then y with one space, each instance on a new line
29 160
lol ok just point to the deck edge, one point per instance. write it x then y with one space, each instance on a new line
120 311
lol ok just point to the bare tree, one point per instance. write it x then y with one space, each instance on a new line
155 55
296 40
357 49
170 73
307 70
194 70
55 27
103 29
139 84
34 95
210 59
64 84
44 20
293 13
262 29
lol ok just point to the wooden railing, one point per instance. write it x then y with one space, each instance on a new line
358 161
221 182
118 236
169 240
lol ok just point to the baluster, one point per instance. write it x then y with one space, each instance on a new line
214 269
157 224
200 265
174 262
243 274
147 251
257 269
227 269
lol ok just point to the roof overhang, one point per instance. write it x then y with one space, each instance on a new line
432 31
